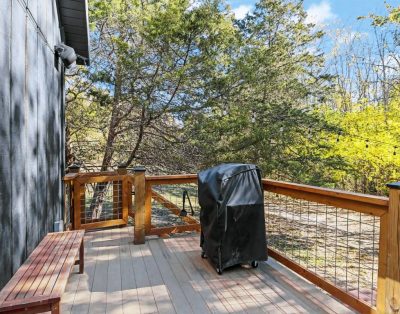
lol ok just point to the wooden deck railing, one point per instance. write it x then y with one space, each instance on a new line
143 205
346 243
350 232
97 199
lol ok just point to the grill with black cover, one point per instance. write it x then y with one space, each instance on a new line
232 215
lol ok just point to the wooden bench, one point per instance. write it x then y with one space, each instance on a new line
39 283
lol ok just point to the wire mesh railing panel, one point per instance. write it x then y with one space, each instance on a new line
101 202
337 244
172 204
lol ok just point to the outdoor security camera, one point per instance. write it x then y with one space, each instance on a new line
67 54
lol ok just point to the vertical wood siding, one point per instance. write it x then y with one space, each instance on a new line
31 129
5 156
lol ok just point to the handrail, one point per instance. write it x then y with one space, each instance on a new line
172 179
381 202
376 206
70 177
121 198
362 203
367 204
372 199
150 181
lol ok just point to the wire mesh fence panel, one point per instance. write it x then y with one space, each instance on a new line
337 244
174 204
101 202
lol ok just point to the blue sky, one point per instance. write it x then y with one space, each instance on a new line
330 12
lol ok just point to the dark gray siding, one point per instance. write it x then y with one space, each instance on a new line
5 164
31 128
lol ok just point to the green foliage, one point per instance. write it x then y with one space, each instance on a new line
178 88
153 62
368 145
392 17
273 81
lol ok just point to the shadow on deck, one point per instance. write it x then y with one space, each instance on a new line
169 276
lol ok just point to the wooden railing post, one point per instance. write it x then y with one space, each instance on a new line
74 168
125 192
79 204
147 208
391 292
140 194
118 191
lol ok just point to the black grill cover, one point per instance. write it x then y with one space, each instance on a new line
232 214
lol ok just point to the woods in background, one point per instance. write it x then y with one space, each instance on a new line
178 86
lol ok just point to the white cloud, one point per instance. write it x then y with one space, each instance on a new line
241 11
319 13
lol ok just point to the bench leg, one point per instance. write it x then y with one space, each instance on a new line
55 308
81 258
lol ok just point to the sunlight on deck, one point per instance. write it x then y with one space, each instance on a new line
169 276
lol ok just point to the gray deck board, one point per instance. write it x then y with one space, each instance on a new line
169 276
98 291
160 291
114 278
197 303
130 299
176 291
147 302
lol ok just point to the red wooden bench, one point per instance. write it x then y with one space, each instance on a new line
39 283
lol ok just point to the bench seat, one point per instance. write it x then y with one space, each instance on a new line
39 283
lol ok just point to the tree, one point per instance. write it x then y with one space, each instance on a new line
275 81
392 17
368 145
153 63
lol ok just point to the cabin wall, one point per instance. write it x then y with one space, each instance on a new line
31 128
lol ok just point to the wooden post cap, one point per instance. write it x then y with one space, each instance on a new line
139 169
74 168
122 169
394 185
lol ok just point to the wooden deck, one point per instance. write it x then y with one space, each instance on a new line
169 276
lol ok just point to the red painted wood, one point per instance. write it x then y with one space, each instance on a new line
37 275
24 271
43 277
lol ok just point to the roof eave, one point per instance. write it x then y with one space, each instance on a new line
74 19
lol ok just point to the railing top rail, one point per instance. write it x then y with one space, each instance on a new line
70 176
366 198
172 179
97 174
101 179
101 176
368 204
